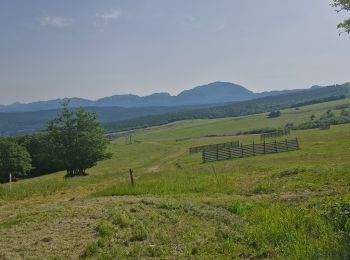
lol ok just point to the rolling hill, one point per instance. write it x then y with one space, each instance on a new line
292 205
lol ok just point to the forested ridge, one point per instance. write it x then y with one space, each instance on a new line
266 104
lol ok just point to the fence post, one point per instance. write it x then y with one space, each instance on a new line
242 150
203 156
131 177
253 148
276 150
217 153
264 147
287 145
296 139
10 180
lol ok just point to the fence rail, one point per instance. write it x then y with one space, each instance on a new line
225 153
275 134
213 147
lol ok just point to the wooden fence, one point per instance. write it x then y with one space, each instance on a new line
275 134
213 147
225 153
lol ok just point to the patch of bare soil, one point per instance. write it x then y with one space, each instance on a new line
153 169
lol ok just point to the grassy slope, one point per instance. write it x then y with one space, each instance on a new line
259 207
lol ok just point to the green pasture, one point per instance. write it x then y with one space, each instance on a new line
292 205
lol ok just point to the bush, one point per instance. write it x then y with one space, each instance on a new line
334 120
14 159
258 131
274 114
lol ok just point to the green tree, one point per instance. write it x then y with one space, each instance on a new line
343 5
14 159
312 117
344 113
78 140
42 153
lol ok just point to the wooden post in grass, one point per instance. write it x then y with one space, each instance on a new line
10 181
276 146
253 148
264 147
287 148
131 177
297 141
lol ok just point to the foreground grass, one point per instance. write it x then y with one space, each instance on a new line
282 206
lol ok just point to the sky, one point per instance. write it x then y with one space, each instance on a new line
96 48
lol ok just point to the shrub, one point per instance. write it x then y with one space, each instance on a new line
105 228
274 114
258 131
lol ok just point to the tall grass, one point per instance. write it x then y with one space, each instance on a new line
28 189
281 231
172 183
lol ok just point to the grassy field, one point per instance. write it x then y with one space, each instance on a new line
291 205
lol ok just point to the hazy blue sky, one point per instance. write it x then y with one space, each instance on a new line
96 48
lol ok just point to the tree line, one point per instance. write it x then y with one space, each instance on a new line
73 141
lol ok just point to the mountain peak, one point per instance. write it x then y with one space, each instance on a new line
217 92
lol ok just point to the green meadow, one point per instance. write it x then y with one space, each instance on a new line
292 205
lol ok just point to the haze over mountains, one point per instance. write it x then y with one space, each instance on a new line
131 111
213 93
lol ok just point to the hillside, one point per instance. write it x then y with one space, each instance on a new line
19 123
280 206
121 118
249 107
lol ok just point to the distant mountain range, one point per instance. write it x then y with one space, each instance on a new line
213 93
122 112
